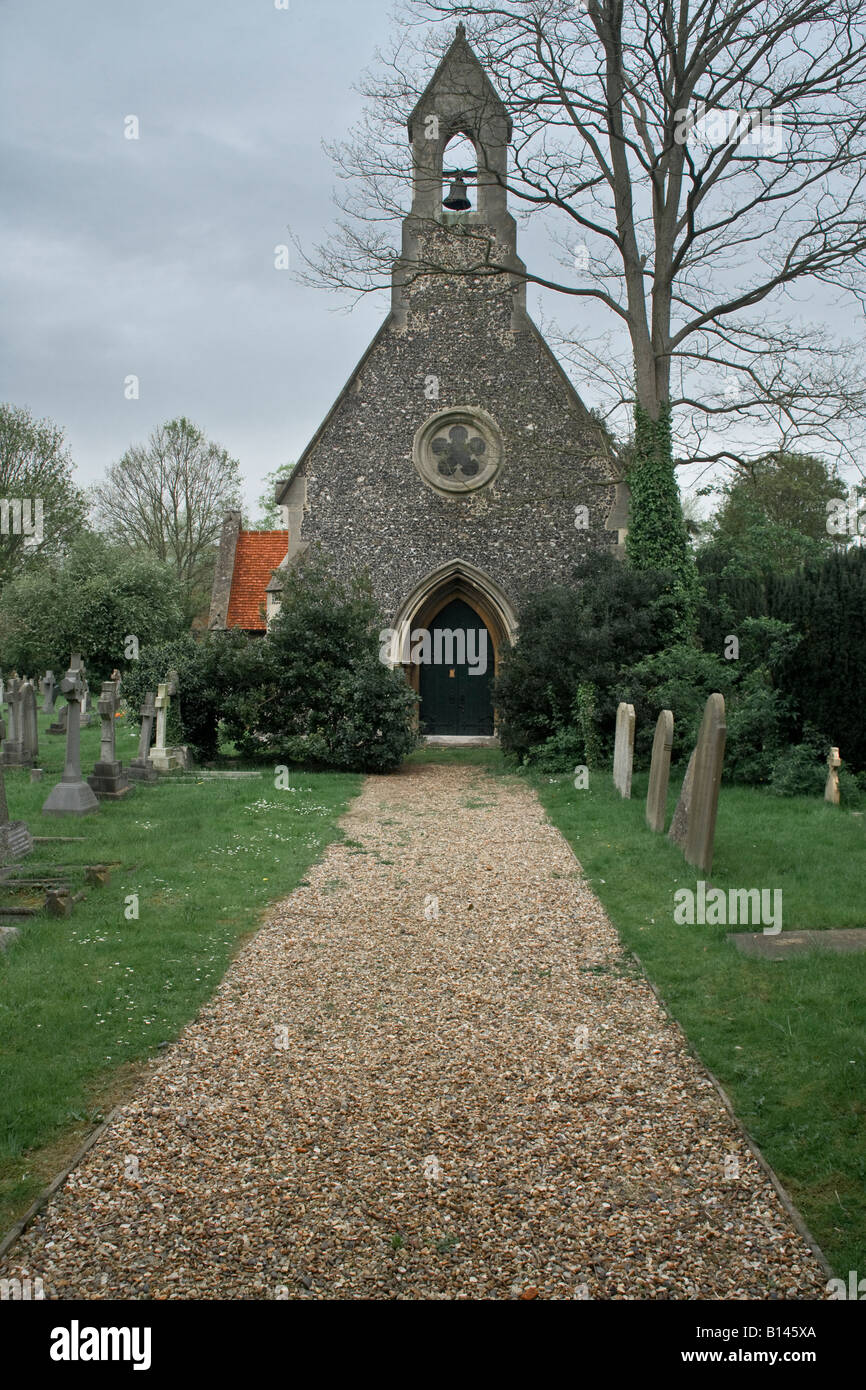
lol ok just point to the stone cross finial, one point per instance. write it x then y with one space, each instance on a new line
831 790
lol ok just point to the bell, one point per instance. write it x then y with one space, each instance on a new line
457 200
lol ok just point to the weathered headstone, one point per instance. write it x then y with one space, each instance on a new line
29 725
107 779
660 768
13 746
623 749
141 769
60 721
86 717
160 756
72 796
163 758
680 822
706 780
831 791
15 838
49 692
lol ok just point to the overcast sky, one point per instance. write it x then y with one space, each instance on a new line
155 257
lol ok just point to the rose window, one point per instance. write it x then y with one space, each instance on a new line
458 451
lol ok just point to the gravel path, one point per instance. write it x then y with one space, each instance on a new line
432 1074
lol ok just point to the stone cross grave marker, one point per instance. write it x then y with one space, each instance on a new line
15 838
72 796
29 725
107 779
141 769
660 768
709 757
162 758
49 692
623 749
831 790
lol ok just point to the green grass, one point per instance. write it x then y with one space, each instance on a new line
85 1000
786 1038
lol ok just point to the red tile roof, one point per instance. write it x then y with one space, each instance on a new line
256 555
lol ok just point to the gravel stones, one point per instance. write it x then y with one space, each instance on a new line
432 1074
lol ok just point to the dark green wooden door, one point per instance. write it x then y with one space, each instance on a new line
453 699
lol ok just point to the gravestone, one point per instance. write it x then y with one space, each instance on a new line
660 768
86 716
107 779
680 822
49 692
141 769
60 721
161 757
13 746
831 791
709 757
623 749
72 796
15 838
29 725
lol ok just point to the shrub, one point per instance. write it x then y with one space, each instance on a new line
322 695
584 636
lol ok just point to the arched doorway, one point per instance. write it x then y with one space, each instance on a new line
456 681
490 611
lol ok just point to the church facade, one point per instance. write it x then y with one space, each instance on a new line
458 465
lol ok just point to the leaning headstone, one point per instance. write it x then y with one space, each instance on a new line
623 749
107 779
72 796
141 769
680 822
49 692
660 768
831 791
29 725
15 838
60 721
162 758
707 778
13 746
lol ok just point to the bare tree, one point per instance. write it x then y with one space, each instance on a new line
169 497
701 165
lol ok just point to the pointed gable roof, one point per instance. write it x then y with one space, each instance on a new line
450 76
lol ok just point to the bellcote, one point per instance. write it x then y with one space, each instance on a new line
460 100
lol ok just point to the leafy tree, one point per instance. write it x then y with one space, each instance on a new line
270 517
169 497
91 602
35 467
